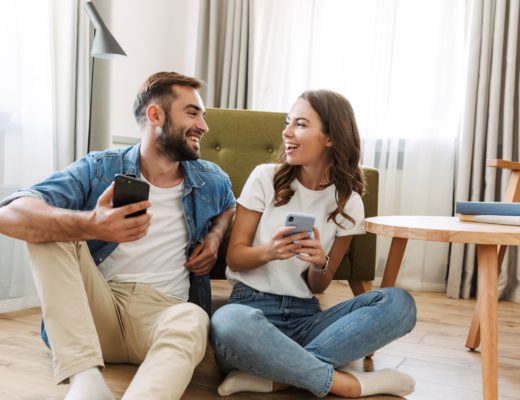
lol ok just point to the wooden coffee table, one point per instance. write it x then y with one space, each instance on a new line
487 237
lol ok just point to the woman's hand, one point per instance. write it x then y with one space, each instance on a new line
310 250
284 245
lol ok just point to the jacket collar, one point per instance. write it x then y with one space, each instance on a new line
192 175
131 161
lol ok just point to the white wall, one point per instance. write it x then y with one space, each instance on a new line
157 35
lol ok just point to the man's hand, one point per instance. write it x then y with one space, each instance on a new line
203 256
111 225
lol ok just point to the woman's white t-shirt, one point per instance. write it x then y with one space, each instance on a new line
286 277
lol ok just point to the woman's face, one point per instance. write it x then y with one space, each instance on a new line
303 136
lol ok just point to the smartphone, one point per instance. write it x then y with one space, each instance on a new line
128 190
302 222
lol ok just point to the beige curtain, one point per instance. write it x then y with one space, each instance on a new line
53 121
72 69
489 130
70 42
223 52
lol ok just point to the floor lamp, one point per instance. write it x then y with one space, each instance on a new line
104 46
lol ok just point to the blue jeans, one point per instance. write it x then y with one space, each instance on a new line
291 340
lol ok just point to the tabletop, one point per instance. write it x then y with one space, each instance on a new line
443 229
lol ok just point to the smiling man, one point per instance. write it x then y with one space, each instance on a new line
116 289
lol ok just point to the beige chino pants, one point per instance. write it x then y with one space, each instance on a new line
89 321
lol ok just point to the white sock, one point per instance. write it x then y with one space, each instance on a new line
240 381
89 384
384 381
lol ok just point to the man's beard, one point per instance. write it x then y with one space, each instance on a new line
172 143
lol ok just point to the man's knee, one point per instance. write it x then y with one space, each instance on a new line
50 248
50 254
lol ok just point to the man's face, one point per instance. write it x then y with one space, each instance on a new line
184 126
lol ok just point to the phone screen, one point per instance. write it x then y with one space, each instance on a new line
128 190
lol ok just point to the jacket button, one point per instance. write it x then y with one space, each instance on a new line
270 149
218 148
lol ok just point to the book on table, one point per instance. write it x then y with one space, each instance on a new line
487 208
491 219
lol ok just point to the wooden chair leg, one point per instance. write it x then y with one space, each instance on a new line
473 339
359 287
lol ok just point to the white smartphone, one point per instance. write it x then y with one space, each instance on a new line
302 222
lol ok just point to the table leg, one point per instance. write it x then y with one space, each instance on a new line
488 289
393 263
473 339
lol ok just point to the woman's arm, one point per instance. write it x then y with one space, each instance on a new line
241 255
319 281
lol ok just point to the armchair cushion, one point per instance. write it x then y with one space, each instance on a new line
239 140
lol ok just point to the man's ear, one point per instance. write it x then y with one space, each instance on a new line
155 115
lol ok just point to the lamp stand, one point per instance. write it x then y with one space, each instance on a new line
90 103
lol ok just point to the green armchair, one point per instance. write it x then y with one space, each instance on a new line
239 140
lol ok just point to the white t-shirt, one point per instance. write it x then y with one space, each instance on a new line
158 258
284 277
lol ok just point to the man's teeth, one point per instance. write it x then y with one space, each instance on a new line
291 146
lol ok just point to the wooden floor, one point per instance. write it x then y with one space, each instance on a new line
433 353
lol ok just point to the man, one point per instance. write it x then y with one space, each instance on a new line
115 289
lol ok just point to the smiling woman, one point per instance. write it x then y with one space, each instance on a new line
389 58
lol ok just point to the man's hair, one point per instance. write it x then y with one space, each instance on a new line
159 88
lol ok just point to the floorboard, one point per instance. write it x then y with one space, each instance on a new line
433 353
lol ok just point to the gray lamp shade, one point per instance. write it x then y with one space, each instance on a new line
104 45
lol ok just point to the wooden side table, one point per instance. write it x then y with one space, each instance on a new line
487 237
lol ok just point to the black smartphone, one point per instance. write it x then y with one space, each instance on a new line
128 190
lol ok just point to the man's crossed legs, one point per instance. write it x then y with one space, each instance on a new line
89 321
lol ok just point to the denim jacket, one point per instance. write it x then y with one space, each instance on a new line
207 193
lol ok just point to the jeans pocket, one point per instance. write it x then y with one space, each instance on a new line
312 300
243 294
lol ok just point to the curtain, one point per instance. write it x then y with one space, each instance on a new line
26 128
489 130
223 52
400 64
70 39
39 104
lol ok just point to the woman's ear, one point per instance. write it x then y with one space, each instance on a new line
328 142
155 115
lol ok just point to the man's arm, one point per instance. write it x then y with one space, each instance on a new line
33 220
204 255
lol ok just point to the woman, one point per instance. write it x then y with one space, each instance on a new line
273 333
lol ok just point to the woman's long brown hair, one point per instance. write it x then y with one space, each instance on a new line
338 122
